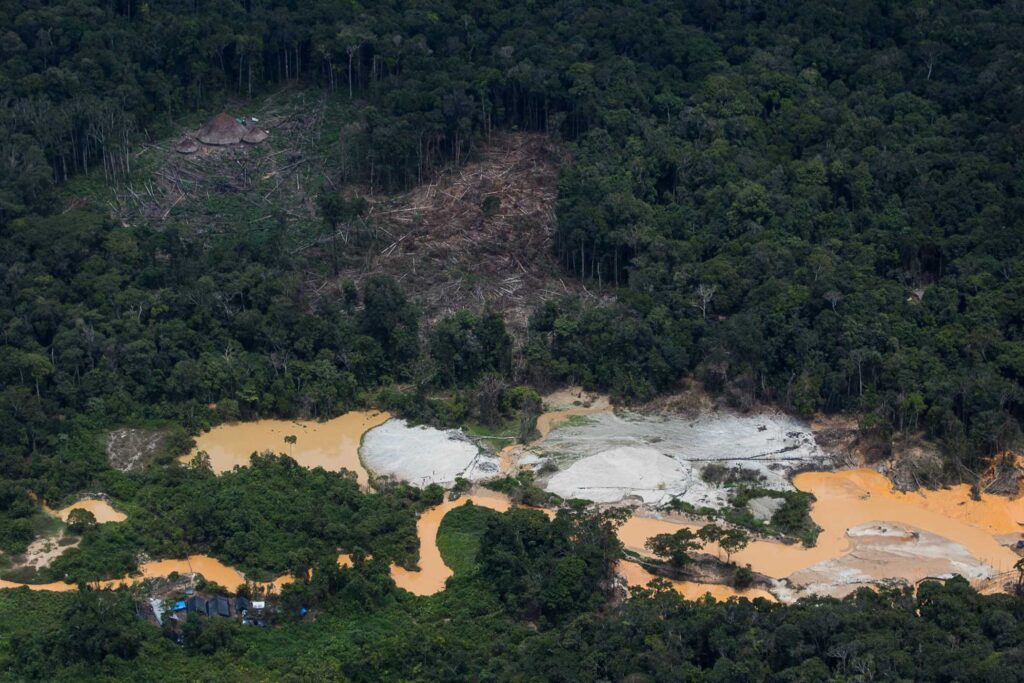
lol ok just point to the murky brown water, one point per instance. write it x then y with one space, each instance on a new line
853 497
636 575
332 445
101 509
433 571
211 568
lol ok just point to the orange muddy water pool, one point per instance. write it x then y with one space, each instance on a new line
332 445
101 510
852 497
636 575
433 571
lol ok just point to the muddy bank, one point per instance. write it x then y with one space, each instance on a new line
704 569
332 445
636 575
102 510
954 535
211 568
879 549
561 406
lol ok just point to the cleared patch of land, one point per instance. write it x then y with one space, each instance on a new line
130 449
609 457
478 236
423 455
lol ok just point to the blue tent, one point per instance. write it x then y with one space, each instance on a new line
180 605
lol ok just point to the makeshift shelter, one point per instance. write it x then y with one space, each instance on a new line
255 136
187 145
196 604
222 130
218 606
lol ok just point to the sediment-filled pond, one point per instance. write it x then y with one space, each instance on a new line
332 445
102 510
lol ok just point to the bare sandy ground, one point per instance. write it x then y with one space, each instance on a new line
881 551
424 455
612 457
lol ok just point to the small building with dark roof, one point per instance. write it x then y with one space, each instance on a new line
218 607
196 605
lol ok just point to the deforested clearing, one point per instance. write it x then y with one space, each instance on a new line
478 236
609 457
424 455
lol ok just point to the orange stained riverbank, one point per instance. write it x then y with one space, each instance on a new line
550 420
853 497
636 575
433 571
332 445
211 568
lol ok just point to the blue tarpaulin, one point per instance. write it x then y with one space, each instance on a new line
180 605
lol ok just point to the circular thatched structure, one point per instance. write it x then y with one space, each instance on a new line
187 145
255 136
222 130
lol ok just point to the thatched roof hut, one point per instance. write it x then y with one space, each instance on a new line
187 145
222 130
255 136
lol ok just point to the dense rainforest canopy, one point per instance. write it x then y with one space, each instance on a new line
816 205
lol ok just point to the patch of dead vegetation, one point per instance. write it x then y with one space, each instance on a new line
1005 475
477 237
130 449
39 555
691 401
915 463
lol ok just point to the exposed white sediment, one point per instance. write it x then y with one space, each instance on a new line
883 551
625 470
423 455
613 457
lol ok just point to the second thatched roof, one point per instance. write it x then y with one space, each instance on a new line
255 136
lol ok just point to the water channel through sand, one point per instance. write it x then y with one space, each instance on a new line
845 499
548 421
